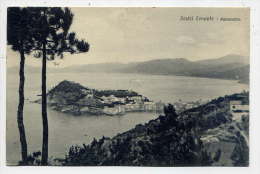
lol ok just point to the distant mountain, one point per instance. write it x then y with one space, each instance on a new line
228 59
241 74
161 66
27 69
228 67
102 67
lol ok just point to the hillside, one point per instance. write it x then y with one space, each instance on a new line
202 136
73 98
228 67
233 67
228 59
102 67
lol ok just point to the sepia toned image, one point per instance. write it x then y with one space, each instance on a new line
92 86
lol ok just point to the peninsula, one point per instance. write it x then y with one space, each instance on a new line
73 98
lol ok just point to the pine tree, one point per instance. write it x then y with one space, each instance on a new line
20 39
52 39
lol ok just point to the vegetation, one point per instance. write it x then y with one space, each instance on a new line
216 112
51 37
169 140
70 91
67 86
20 39
77 91
165 141
34 159
45 32
73 92
73 98
116 93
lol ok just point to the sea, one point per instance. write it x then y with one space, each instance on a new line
66 130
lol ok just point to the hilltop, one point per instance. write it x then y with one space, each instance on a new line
228 67
232 67
73 98
203 136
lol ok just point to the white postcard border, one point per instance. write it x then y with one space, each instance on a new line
254 84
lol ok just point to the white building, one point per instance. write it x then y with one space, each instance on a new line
116 110
238 109
134 107
110 99
149 106
136 99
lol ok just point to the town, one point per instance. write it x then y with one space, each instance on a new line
181 106
71 97
115 105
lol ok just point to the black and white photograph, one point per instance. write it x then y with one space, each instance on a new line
128 86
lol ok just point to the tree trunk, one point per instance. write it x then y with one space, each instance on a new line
20 110
44 160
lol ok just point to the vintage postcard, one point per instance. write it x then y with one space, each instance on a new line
160 87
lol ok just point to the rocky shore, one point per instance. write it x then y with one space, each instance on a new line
73 98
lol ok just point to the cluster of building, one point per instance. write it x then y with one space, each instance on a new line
181 106
238 109
120 105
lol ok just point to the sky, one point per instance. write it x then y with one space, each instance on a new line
141 34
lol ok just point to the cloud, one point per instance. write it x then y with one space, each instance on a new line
142 34
215 38
186 40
